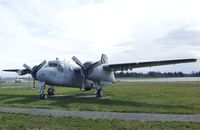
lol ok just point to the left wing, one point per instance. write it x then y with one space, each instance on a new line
129 66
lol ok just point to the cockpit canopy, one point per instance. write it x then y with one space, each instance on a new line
52 64
59 65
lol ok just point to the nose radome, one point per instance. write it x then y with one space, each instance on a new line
41 75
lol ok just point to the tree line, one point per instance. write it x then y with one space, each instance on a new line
156 74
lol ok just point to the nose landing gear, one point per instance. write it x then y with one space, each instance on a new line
41 90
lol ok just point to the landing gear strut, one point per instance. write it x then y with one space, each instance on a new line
41 89
99 90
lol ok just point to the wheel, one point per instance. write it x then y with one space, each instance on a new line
43 96
51 91
99 93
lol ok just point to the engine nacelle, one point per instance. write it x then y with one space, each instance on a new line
99 74
89 85
88 88
21 72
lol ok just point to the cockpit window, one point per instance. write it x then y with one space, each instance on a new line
57 64
60 67
52 64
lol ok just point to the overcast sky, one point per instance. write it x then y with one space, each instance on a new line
125 30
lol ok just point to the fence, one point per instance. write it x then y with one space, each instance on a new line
16 82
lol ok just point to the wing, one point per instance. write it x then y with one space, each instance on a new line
12 70
129 66
19 71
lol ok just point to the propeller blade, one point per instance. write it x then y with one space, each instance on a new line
77 61
85 70
98 63
41 64
33 83
27 67
36 68
83 84
94 65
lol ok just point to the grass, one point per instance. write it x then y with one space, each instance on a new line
183 97
21 121
16 84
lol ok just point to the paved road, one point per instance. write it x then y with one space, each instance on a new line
105 115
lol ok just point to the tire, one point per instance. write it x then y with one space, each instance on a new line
43 96
50 91
99 93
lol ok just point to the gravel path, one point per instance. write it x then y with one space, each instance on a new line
105 115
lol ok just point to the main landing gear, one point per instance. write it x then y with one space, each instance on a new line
50 91
43 96
99 90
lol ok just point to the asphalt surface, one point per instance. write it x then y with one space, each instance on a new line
105 115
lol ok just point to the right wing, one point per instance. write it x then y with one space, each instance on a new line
19 71
12 70
127 66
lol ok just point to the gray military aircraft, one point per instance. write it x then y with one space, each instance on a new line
85 76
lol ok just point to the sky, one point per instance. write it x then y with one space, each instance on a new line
125 30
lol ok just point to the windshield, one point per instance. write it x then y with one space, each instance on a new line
60 67
50 64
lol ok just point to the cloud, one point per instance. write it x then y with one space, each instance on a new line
126 30
181 36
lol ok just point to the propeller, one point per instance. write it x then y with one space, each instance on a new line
33 71
87 67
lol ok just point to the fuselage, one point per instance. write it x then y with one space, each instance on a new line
60 73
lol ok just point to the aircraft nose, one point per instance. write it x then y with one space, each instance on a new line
41 75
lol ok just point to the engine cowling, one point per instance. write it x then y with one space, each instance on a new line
22 72
89 86
99 74
88 70
86 65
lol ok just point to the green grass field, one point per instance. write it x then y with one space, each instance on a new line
29 84
22 122
178 98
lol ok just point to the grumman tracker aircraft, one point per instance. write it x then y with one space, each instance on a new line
87 76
